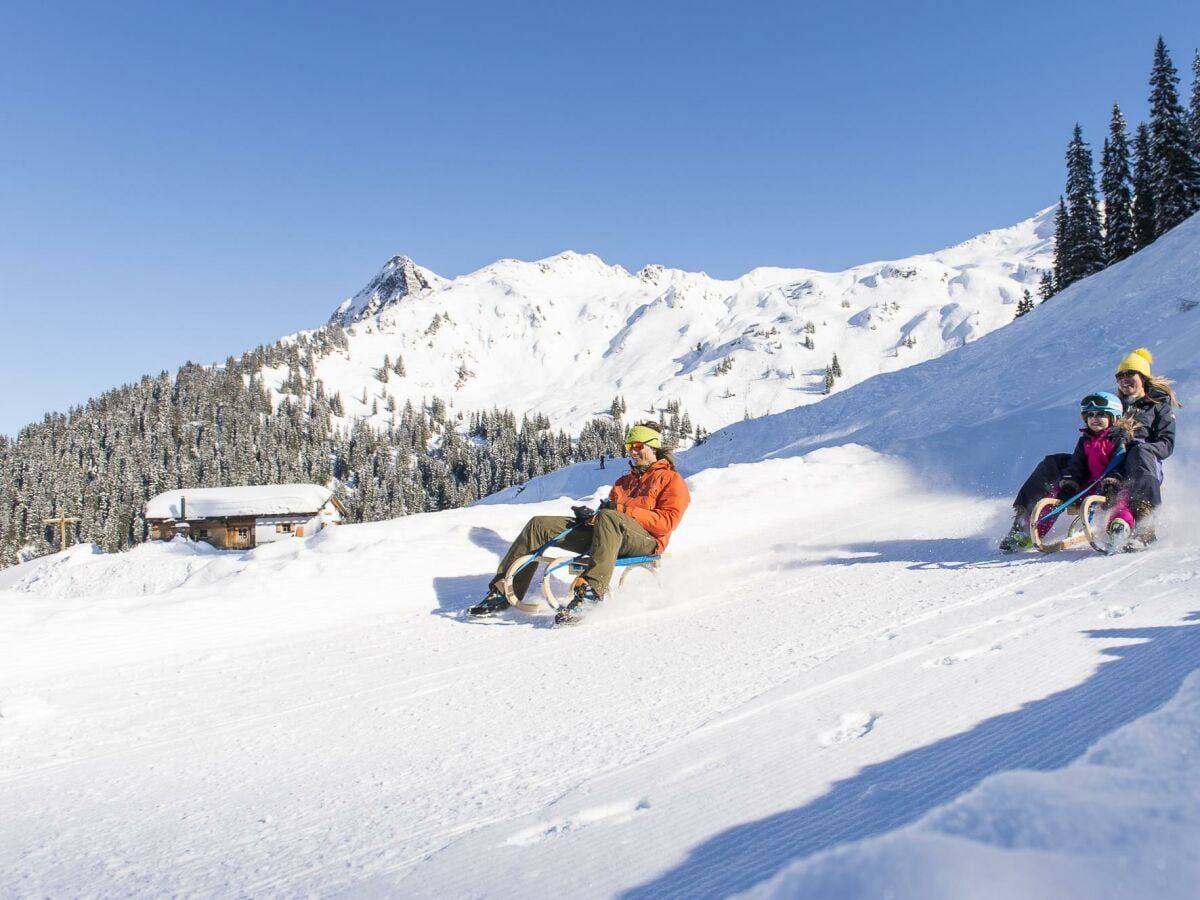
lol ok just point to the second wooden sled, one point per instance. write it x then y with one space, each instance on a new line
1087 525
575 565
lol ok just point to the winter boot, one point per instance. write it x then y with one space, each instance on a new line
491 604
1143 532
583 597
1017 539
1119 534
1122 510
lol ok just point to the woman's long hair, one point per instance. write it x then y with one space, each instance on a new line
1163 386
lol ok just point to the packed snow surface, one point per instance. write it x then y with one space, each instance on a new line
835 687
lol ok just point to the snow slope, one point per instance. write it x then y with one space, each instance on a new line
564 335
835 687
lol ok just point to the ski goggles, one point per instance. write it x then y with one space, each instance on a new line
635 445
1127 374
1096 403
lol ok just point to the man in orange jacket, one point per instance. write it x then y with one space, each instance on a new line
637 518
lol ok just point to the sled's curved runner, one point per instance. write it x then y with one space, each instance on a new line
1086 526
1096 528
575 565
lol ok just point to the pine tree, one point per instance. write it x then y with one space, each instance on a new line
1046 286
835 367
1115 182
1194 109
1175 176
1084 240
1143 189
1025 304
828 380
1062 247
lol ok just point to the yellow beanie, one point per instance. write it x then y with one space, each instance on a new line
1137 361
645 435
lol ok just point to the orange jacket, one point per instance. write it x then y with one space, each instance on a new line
655 499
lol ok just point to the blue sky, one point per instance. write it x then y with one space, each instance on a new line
185 181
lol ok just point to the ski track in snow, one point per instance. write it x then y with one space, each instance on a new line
302 695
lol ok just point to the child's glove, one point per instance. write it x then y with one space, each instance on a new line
1065 488
583 514
608 503
1110 486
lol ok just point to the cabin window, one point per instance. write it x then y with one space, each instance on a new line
285 528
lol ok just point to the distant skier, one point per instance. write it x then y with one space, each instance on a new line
1147 400
636 519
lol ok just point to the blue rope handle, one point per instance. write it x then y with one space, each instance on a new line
1112 464
546 546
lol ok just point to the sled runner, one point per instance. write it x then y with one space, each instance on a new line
1088 524
575 565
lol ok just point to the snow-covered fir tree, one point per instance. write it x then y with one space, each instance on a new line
1061 246
1083 253
1046 286
1175 173
1116 185
219 426
1144 218
1194 108
1025 304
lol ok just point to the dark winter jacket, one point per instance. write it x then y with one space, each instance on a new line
1093 453
1156 423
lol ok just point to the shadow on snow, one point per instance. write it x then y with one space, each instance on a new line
1042 735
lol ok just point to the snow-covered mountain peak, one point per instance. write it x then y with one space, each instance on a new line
562 335
399 278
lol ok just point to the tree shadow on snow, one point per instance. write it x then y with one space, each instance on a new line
933 553
1042 735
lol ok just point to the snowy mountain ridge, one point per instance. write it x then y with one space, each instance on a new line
563 336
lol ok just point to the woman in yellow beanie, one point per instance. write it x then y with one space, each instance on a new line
1147 400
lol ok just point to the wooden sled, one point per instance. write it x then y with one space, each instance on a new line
575 565
1087 525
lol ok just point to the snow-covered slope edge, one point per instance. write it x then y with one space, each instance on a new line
948 414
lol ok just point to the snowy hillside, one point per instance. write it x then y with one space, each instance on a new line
564 335
834 688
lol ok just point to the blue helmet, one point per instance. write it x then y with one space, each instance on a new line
1101 401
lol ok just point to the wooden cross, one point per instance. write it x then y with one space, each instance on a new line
62 522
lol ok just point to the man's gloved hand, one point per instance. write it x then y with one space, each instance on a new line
1119 436
607 503
583 514
1066 488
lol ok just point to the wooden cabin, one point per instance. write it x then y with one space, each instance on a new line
238 518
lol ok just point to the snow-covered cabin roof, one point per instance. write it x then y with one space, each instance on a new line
255 500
